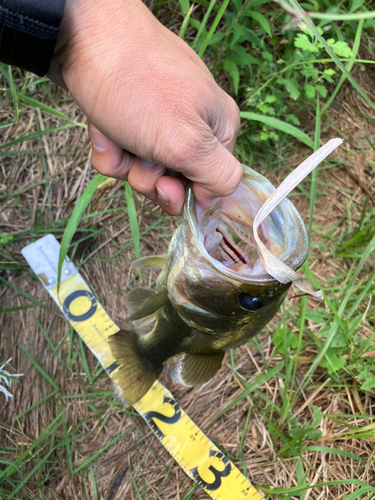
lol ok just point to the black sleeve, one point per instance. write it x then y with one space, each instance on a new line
28 32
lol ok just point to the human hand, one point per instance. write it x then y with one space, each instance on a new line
154 110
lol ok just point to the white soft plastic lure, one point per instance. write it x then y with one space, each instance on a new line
274 266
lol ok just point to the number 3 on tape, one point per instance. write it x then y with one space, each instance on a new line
196 454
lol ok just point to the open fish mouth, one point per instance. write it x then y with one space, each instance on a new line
224 232
257 213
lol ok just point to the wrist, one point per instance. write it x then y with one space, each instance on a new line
85 34
28 33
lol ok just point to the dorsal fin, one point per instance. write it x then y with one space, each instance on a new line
150 305
150 262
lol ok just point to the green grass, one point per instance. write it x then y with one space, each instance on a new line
318 352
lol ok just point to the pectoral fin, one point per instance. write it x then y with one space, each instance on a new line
151 262
136 297
150 305
197 369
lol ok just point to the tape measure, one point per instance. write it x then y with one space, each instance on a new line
188 445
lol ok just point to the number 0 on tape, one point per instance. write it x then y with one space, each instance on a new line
200 459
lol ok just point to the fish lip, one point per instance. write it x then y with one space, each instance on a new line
294 259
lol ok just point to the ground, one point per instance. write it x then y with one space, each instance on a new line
63 404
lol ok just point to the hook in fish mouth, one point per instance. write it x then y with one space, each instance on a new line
224 232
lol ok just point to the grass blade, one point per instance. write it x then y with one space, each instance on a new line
39 368
314 173
203 23
74 221
218 17
279 125
349 66
14 95
35 135
260 380
132 213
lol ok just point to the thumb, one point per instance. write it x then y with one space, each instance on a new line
218 176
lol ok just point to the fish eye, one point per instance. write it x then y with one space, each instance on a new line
249 302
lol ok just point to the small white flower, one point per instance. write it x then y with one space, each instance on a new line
5 380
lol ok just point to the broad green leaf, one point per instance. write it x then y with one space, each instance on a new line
292 119
261 20
264 108
369 380
339 48
236 35
303 42
282 339
356 4
217 37
267 56
233 72
321 90
310 73
333 361
240 56
309 91
185 6
291 86
279 125
319 316
270 99
250 37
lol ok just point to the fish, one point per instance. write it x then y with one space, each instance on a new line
214 291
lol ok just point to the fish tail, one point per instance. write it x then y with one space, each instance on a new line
135 374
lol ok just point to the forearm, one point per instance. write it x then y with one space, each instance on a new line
28 33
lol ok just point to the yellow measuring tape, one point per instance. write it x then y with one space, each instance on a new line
196 454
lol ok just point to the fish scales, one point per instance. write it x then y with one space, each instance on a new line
208 299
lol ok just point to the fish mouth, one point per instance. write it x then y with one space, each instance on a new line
223 233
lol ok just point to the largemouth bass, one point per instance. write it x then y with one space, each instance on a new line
213 292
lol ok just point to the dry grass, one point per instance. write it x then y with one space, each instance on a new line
40 184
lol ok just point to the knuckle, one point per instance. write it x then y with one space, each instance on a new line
179 145
230 179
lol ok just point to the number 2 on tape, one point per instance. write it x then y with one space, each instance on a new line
150 416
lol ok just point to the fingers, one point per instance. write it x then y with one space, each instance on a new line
223 181
107 157
151 181
147 178
171 194
143 177
202 158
